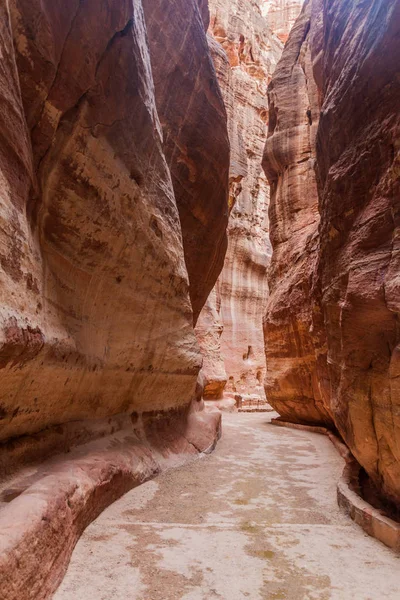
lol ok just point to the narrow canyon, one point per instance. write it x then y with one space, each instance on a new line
200 299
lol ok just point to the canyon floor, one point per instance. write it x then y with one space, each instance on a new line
256 519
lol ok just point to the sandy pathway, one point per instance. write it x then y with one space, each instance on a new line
257 519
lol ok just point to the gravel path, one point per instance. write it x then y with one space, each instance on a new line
257 519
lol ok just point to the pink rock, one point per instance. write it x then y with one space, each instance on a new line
245 51
332 336
102 214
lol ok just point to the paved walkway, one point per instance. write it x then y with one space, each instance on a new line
255 520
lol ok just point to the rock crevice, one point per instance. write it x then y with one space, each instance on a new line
246 49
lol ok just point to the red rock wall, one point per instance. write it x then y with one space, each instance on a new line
245 52
349 266
358 154
103 174
293 346
193 119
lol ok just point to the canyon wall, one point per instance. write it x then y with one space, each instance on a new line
246 51
332 327
194 134
114 167
293 346
114 184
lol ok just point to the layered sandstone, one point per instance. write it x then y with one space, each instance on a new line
102 179
293 346
342 314
245 50
209 331
111 180
359 268
195 144
281 15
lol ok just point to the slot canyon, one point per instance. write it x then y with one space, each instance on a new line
200 299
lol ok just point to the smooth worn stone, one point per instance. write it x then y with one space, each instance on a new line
332 158
96 271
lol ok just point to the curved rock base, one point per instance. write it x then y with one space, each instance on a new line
46 507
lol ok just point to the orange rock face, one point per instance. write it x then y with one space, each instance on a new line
245 52
294 348
209 331
114 166
109 196
344 298
193 120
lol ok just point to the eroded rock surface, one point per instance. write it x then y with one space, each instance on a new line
245 51
209 330
359 267
45 509
96 317
348 328
281 15
293 346
114 165
193 120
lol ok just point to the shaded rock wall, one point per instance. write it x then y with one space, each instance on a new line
293 346
114 161
359 268
193 120
245 51
350 265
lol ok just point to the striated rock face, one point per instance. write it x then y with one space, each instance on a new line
293 347
114 167
281 15
209 331
350 271
96 317
359 267
245 52
193 120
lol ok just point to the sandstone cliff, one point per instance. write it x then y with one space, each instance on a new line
342 314
245 50
193 119
96 316
293 346
114 165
